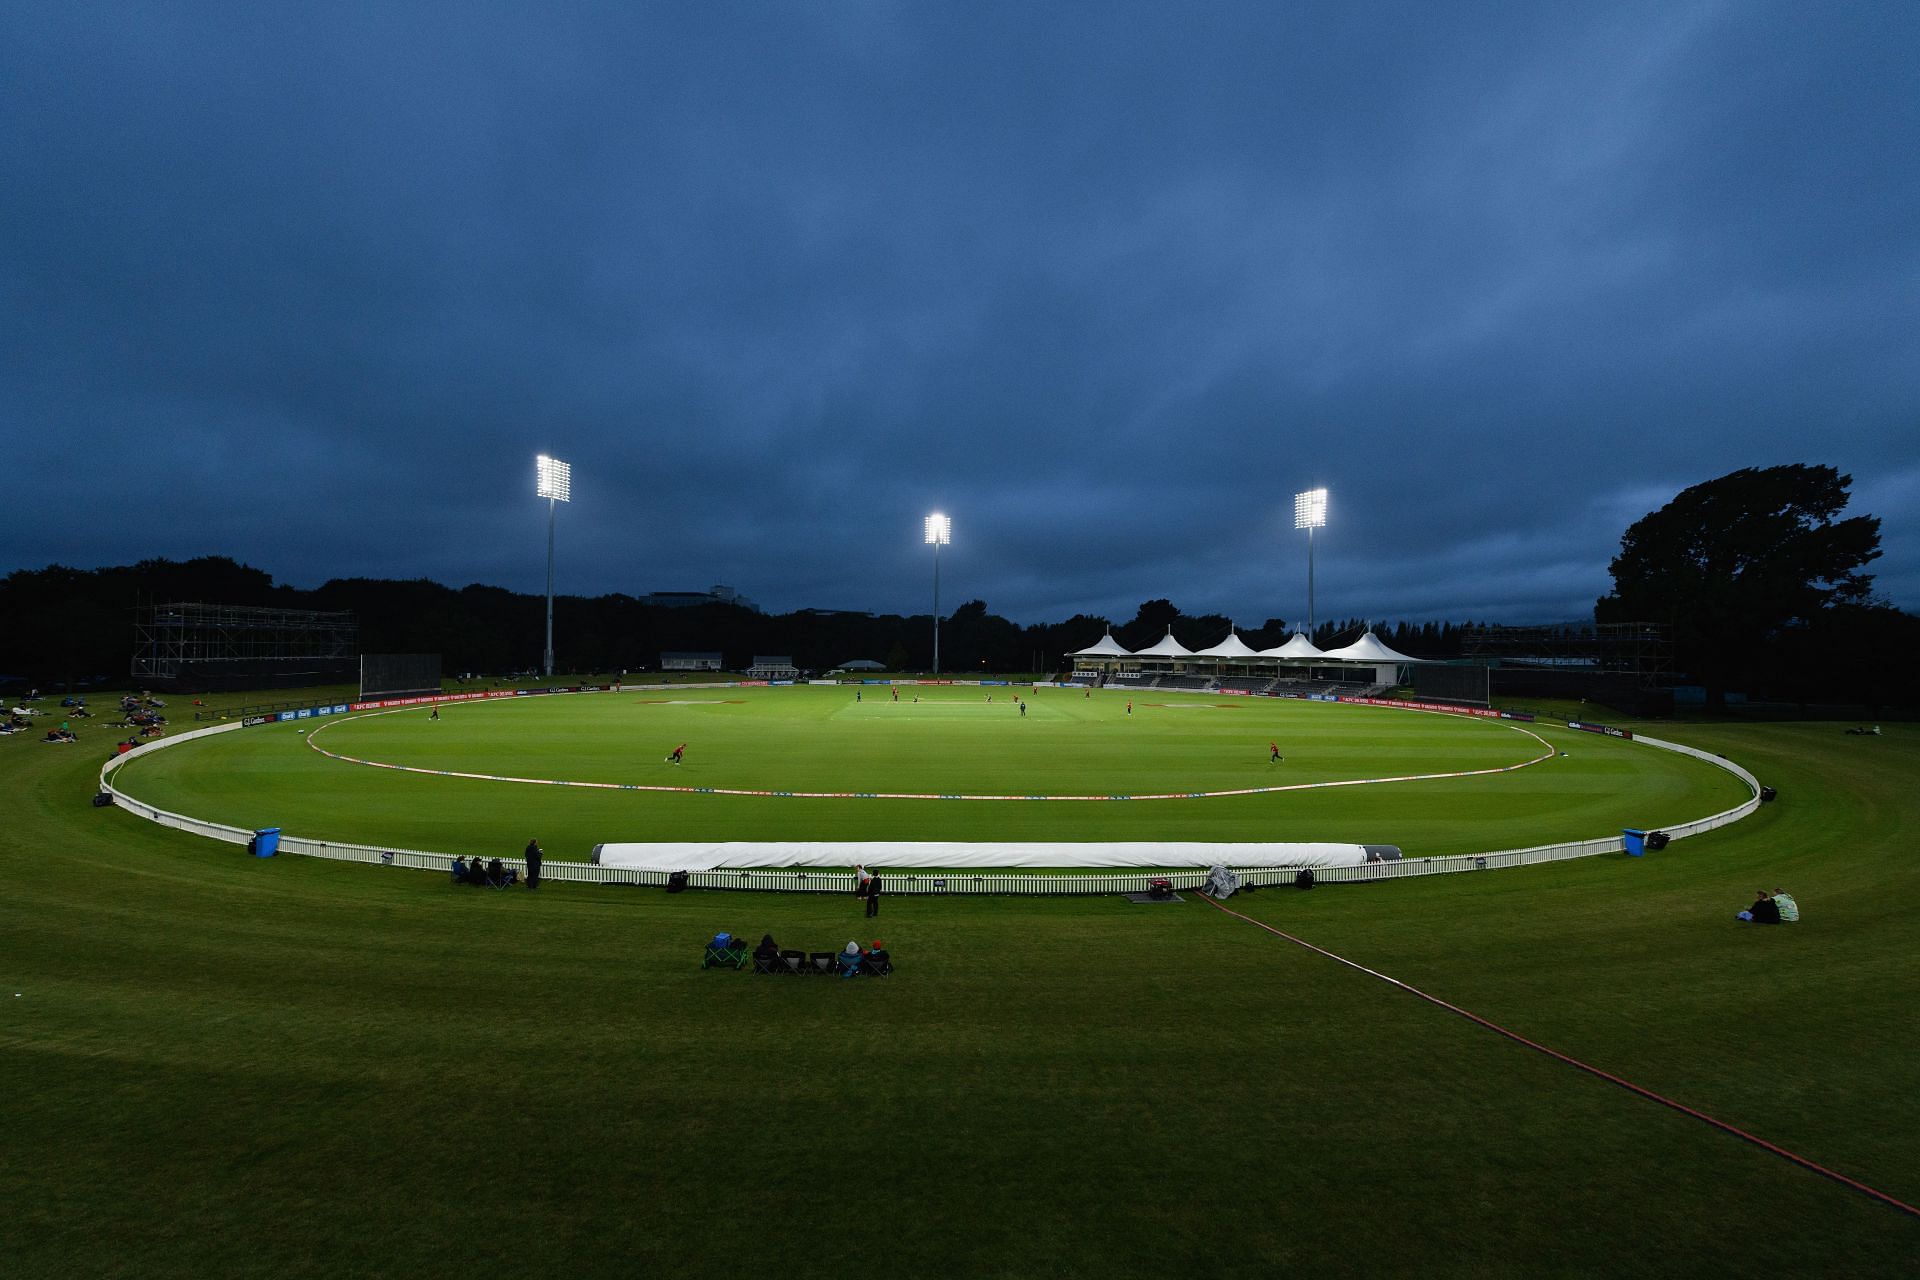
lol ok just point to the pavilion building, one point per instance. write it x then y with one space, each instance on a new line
1234 664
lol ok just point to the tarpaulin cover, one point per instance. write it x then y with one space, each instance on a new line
940 854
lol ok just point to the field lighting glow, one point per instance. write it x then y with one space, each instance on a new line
939 530
552 479
1310 509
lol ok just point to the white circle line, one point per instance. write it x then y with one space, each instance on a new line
1549 753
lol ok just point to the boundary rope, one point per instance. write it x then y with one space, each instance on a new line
1587 1067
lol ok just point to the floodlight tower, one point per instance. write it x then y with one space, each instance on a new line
1310 513
939 534
552 480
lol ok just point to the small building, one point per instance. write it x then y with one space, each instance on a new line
771 668
861 664
689 599
691 662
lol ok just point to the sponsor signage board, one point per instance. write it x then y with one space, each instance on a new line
1588 727
1408 705
305 713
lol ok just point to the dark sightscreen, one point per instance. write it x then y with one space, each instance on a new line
398 675
1451 684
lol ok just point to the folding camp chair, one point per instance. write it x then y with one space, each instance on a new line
821 961
724 952
878 964
769 963
849 964
791 962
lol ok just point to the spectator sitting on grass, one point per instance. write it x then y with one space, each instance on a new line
1764 909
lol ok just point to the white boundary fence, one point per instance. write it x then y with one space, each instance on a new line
933 882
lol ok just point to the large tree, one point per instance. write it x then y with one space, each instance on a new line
1149 625
1732 562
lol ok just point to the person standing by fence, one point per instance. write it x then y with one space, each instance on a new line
872 894
533 858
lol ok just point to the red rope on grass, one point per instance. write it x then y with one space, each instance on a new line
1589 1068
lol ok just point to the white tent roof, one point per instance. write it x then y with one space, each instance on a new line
1298 647
1368 649
1105 647
1232 647
1167 648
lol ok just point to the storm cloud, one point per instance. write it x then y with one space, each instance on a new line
310 286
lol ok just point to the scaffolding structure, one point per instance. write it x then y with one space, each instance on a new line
1640 651
222 645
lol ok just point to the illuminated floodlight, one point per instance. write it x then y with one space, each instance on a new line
552 479
939 534
1310 513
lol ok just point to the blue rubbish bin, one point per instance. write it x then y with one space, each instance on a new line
266 842
1635 840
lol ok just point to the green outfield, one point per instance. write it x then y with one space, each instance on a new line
214 1065
863 758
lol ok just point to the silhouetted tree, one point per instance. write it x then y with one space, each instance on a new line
1149 624
1732 562
1202 632
1052 641
1268 635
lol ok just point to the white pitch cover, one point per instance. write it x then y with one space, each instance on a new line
944 854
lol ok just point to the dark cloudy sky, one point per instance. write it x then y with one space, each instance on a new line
311 285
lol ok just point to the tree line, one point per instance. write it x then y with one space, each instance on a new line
1759 574
82 625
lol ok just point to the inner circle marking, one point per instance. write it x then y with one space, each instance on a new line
1548 753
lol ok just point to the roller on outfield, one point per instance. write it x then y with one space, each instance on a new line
958 855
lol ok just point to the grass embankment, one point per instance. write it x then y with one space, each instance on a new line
226 1066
